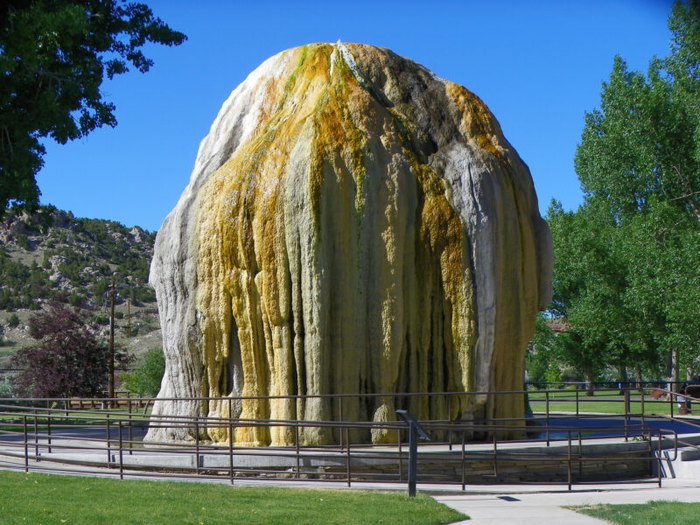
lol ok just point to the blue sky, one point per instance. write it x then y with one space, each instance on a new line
538 65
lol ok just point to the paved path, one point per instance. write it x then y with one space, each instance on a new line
519 505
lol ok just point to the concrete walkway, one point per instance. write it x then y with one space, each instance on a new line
519 505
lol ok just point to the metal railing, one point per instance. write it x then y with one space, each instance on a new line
59 435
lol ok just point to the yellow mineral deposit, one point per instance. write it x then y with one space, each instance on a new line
354 225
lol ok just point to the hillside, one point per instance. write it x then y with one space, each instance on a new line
51 255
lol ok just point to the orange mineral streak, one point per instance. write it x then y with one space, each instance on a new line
477 123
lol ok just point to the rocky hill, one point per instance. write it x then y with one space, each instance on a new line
50 255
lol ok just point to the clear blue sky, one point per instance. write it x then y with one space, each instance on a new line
538 65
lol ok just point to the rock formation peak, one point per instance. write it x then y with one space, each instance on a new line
353 225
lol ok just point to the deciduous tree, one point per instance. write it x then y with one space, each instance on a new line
54 57
68 360
628 261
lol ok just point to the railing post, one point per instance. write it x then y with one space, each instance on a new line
196 444
340 417
569 473
658 455
296 448
26 444
449 419
412 458
400 447
109 436
36 436
495 454
464 457
348 459
49 415
131 434
546 412
627 412
121 455
230 444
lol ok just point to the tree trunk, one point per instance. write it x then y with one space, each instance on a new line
675 369
590 378
622 378
638 377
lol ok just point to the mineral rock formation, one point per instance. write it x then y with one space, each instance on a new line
353 225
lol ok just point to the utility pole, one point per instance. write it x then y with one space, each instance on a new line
110 383
128 316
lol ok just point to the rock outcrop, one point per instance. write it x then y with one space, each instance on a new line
353 225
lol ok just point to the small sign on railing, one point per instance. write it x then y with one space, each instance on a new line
415 432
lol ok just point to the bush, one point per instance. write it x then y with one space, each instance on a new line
146 379
76 300
6 388
13 321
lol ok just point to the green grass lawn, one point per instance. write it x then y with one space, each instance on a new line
14 422
40 499
603 402
654 513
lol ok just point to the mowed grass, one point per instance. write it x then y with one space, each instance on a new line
654 513
605 402
46 500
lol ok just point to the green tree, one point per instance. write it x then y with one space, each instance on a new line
539 363
146 379
589 284
627 268
54 56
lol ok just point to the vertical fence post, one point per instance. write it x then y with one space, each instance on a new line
49 415
568 461
340 417
546 411
26 444
412 458
464 457
36 436
449 418
495 453
627 412
131 435
121 448
108 436
230 444
296 448
196 444
400 447
348 459
658 455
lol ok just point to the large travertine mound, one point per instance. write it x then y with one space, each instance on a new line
353 225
